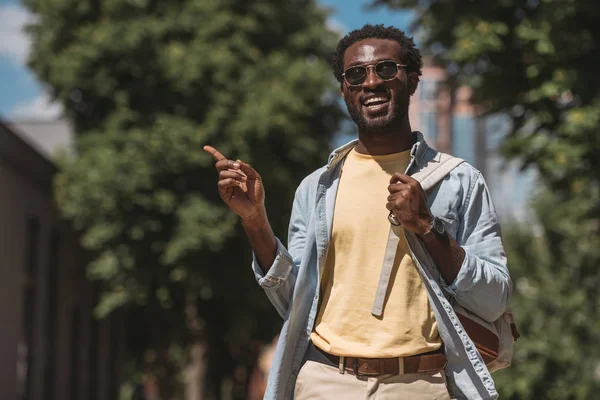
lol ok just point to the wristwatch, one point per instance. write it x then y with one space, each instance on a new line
436 230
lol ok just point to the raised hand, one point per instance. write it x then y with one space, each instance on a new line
408 203
240 186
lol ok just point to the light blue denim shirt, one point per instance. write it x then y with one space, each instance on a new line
482 286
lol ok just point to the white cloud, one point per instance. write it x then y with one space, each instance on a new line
14 42
39 108
336 26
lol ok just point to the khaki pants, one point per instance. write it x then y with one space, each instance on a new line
318 381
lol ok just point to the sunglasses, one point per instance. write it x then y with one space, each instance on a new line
385 70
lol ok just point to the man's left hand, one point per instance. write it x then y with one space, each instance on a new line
408 202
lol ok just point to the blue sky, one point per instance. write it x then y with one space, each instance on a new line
352 14
22 96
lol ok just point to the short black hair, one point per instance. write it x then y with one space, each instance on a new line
409 54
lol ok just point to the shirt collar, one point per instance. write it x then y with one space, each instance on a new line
416 153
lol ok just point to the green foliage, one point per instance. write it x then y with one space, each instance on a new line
531 59
535 61
146 84
555 299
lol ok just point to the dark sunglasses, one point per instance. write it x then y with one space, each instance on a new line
385 70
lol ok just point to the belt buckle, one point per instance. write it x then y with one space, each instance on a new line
357 372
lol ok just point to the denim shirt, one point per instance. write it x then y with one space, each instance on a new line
482 285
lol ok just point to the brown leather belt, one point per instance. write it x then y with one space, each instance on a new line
429 362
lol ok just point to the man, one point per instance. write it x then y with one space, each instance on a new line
334 343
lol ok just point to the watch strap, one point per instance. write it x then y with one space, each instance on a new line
428 236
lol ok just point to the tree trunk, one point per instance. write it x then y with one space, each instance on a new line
195 372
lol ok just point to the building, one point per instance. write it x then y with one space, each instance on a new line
52 348
453 125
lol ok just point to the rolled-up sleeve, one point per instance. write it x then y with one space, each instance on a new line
483 284
280 279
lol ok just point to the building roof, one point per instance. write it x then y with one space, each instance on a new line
47 137
24 158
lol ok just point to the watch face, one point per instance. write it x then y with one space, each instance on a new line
438 226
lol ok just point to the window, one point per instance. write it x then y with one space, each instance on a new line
74 351
429 125
496 127
428 90
51 316
26 350
463 138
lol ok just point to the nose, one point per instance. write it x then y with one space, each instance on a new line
372 81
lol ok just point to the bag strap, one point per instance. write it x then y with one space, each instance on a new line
436 170
429 175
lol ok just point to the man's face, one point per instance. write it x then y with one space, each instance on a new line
377 106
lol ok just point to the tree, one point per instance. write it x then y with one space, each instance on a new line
146 83
534 61
557 309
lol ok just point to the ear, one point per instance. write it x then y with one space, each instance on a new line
413 82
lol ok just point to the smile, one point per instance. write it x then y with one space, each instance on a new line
376 102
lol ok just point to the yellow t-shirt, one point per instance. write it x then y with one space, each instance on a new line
344 324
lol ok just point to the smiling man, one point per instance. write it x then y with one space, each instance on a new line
345 335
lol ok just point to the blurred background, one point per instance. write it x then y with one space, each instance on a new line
122 274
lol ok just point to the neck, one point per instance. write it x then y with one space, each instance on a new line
393 140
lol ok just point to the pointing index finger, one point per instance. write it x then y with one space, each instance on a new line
216 154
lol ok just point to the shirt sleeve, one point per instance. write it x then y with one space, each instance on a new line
280 279
483 284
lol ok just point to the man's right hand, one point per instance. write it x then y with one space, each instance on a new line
240 187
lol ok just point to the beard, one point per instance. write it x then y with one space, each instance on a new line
380 125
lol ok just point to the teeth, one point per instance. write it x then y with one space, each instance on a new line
375 100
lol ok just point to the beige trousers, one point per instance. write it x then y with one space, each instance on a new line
318 381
